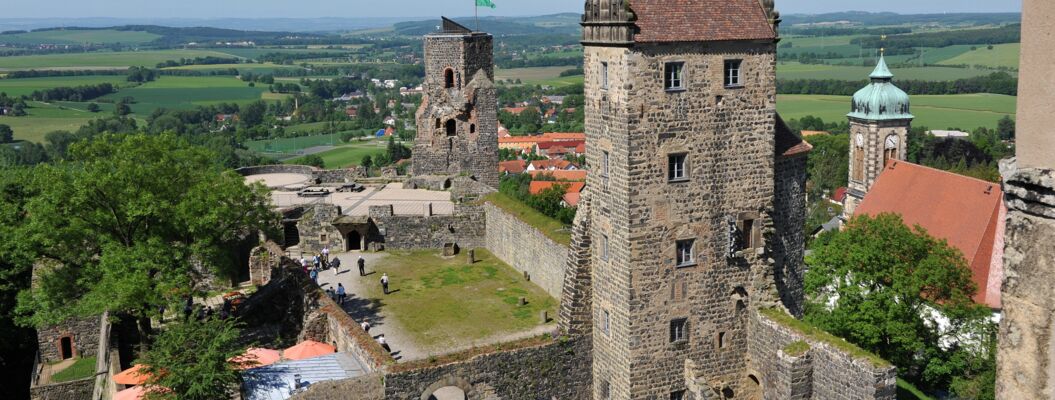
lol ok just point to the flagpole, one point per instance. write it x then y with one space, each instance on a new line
476 10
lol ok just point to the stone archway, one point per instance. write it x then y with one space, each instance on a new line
66 347
355 241
450 388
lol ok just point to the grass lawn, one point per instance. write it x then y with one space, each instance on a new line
82 368
345 156
44 118
25 86
78 37
441 301
185 92
293 144
550 227
795 70
1002 55
966 112
100 59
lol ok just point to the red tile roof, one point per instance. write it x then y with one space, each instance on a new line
839 195
561 143
577 175
565 136
964 211
700 20
572 199
512 167
569 187
787 142
546 164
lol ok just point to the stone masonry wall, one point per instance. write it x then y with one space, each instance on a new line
555 370
526 249
73 390
833 374
317 230
789 216
576 311
1026 349
403 232
85 334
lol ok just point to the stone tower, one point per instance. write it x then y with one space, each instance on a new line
681 128
458 118
879 126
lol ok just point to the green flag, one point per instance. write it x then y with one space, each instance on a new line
485 3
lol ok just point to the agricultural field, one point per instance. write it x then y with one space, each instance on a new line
254 52
79 37
185 92
253 67
539 75
965 112
795 70
25 86
45 117
1002 55
97 60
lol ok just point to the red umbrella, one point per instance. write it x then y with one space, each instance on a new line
256 357
132 376
138 392
308 349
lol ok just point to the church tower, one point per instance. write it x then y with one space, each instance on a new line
458 118
680 126
879 126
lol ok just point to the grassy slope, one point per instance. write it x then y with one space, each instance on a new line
550 227
1002 55
101 59
101 36
441 301
19 87
936 112
44 118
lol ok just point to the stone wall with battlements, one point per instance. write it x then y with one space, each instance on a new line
465 227
727 137
73 390
526 249
789 364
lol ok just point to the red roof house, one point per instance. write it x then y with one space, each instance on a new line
512 167
701 20
968 213
577 175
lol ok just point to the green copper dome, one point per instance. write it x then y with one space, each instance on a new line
880 100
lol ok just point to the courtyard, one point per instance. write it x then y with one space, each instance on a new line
438 305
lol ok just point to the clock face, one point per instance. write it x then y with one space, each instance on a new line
891 142
860 140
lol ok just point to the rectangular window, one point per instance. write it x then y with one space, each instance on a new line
676 168
673 76
677 395
322 238
604 168
685 256
747 233
604 247
679 330
605 323
604 75
732 73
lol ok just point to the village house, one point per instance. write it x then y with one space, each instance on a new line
572 191
552 165
512 167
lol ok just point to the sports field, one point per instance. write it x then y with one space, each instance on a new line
79 37
25 86
101 59
185 92
965 112
1002 55
291 145
346 156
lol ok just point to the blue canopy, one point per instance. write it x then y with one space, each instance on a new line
380 133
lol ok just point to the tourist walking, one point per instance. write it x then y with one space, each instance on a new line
314 274
340 293
384 282
336 266
362 266
316 261
384 343
365 325
326 256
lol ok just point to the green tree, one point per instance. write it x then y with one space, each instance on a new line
253 113
19 109
313 160
6 134
1006 128
876 284
138 223
367 162
828 163
122 108
190 360
17 343
93 107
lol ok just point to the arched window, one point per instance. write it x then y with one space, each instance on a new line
890 150
448 78
472 128
859 162
451 127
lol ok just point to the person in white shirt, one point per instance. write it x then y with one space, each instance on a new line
384 343
384 282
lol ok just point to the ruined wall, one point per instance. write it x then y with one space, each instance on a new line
366 387
85 334
262 260
317 230
727 136
789 216
820 371
403 232
73 390
1026 349
576 310
526 249
553 370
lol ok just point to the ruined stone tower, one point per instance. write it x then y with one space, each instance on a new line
879 126
458 118
683 148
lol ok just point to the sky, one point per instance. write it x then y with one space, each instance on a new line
425 8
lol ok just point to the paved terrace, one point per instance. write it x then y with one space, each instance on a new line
403 201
